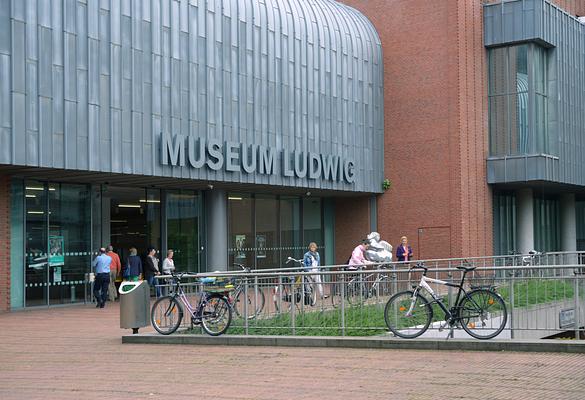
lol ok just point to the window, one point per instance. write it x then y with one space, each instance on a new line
517 100
504 223
547 228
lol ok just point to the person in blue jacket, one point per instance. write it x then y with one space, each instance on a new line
311 262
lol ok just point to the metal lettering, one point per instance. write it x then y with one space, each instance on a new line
196 154
314 166
215 162
173 147
286 168
249 158
330 167
348 171
232 156
266 159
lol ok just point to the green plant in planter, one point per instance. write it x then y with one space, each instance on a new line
386 184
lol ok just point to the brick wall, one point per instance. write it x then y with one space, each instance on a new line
5 240
352 224
436 138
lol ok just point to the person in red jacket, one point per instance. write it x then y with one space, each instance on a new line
115 272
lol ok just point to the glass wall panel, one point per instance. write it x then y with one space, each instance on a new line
517 118
241 230
36 244
17 226
313 222
504 223
547 229
127 218
69 242
152 202
290 228
267 237
182 209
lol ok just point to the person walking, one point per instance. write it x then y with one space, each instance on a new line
151 269
312 261
101 266
404 251
115 272
133 266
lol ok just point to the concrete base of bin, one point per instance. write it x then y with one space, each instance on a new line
541 345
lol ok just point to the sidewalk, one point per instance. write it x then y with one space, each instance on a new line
77 353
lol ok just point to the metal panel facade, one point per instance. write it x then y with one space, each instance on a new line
97 85
542 22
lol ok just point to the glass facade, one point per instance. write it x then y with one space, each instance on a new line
57 242
518 100
504 223
547 227
183 218
264 230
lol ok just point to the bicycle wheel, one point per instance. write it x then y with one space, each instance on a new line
166 315
282 301
216 315
483 313
406 319
254 297
310 290
381 290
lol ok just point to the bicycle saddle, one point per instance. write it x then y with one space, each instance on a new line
466 267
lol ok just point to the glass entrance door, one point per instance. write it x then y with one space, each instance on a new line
36 244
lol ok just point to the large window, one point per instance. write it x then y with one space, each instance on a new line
504 223
517 100
183 210
264 230
547 228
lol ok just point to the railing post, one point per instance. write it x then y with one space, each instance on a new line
577 307
246 306
255 311
511 313
342 304
293 299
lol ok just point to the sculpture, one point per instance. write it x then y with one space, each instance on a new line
380 251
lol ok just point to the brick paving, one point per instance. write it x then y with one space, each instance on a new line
76 353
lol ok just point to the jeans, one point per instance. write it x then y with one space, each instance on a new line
100 288
152 282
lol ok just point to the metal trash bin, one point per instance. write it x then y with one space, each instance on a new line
134 305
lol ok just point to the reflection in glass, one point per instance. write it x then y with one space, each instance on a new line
290 228
313 224
182 209
36 243
267 243
241 230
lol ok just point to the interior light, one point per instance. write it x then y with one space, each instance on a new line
129 205
30 196
34 188
35 212
121 221
235 198
149 201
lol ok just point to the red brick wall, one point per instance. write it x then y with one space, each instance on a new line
435 125
352 224
5 240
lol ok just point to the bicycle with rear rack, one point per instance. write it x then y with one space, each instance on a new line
481 311
294 289
213 310
254 296
375 285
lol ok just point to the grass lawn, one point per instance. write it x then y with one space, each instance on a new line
538 291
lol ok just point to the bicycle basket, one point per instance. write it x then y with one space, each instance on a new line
481 279
219 285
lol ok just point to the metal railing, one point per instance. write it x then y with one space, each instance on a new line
544 295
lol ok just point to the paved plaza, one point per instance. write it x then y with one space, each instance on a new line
76 353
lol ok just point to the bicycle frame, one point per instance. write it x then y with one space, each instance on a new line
424 283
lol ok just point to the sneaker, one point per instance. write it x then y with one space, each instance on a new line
326 296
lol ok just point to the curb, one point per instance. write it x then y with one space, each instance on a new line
539 346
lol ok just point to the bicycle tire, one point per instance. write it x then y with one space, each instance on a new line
311 292
281 301
487 306
216 315
259 301
166 315
414 325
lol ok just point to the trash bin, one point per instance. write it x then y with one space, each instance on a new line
134 305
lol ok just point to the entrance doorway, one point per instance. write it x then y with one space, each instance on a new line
134 216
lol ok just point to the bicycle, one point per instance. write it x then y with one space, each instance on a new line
295 289
358 288
255 296
213 311
408 314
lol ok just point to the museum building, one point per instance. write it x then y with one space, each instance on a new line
225 130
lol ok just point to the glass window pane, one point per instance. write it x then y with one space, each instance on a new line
498 125
69 242
290 228
36 243
498 71
152 202
241 230
182 209
267 238
312 225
